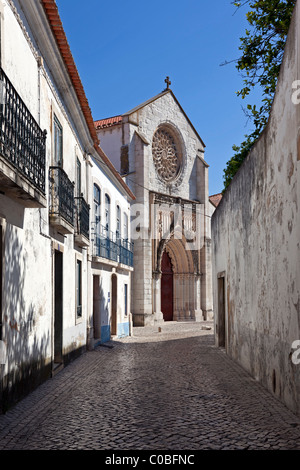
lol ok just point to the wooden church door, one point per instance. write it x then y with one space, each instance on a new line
166 287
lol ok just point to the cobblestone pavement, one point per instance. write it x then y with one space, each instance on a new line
168 390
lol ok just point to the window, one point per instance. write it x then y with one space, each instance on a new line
78 289
126 298
78 178
58 144
118 231
125 234
107 212
97 205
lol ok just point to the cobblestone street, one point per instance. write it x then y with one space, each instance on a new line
168 390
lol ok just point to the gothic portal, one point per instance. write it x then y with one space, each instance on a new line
160 155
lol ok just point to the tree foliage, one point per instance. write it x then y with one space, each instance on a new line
262 49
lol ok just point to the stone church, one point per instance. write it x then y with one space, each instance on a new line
160 155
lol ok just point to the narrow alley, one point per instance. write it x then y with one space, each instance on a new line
157 390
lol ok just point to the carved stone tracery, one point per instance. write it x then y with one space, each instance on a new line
166 155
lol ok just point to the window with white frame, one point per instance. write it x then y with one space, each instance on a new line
58 142
125 231
118 229
97 208
107 212
78 177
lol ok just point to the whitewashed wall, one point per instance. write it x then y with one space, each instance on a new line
29 240
255 233
111 146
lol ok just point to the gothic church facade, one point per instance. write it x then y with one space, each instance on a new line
160 155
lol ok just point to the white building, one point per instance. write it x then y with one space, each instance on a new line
112 253
49 161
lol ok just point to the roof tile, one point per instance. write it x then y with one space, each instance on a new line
108 122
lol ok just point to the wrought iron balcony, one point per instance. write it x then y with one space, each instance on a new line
83 218
107 245
61 207
22 143
126 252
104 243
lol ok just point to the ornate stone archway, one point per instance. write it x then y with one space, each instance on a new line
186 279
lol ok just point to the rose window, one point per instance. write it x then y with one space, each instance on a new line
165 155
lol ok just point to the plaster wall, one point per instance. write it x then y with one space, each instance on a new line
29 240
112 147
26 304
18 60
255 234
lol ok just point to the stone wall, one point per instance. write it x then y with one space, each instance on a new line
256 251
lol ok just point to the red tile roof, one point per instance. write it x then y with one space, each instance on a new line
216 199
55 22
108 122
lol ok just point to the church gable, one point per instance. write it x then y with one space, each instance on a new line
171 150
135 114
157 142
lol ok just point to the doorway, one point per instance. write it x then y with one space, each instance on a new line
166 287
58 307
114 303
96 307
221 311
1 273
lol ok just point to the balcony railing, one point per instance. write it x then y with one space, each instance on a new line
22 142
126 252
83 217
61 194
107 245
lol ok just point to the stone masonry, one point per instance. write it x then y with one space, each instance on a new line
167 390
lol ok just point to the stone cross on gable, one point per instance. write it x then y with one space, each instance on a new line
167 81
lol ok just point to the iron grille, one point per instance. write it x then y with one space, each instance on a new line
22 142
61 194
83 216
126 252
107 245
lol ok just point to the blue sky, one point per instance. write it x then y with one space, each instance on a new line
124 50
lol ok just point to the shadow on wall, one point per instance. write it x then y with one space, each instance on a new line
26 350
193 181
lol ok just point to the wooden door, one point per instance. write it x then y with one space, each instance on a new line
58 307
114 303
96 307
1 272
166 287
221 312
